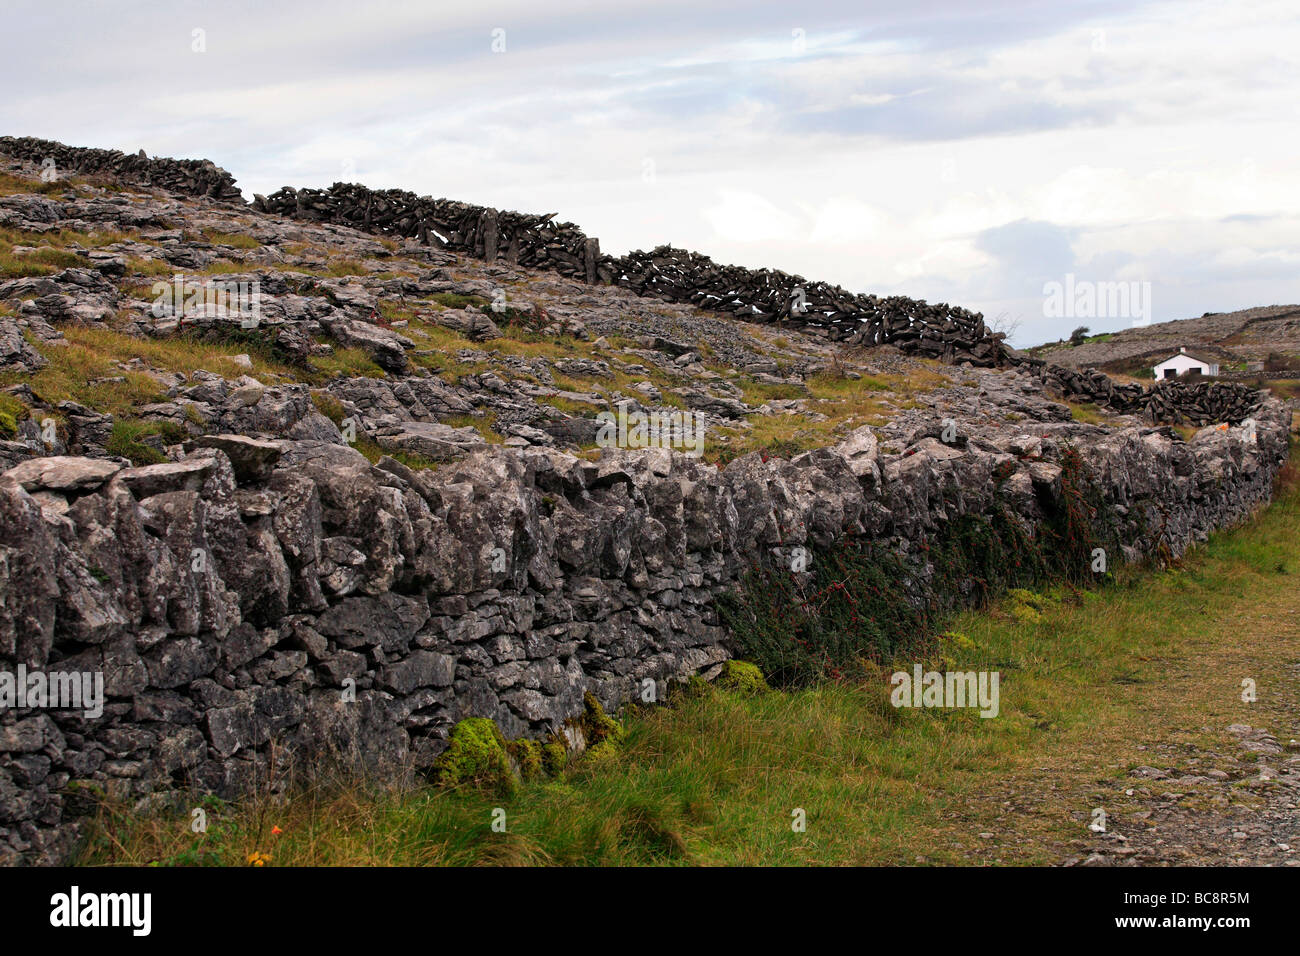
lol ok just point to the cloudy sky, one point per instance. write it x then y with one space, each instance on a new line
950 150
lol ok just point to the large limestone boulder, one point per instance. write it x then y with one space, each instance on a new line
62 474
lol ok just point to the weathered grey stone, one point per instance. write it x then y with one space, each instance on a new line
15 353
66 474
420 669
150 480
252 458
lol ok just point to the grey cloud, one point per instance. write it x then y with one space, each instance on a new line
1034 251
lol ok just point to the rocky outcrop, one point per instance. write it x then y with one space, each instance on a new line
15 353
289 596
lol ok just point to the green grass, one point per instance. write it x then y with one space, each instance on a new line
756 393
569 406
149 267
329 406
11 185
455 300
1088 678
51 249
12 412
224 267
346 363
126 439
43 262
846 403
236 240
1087 412
339 269
485 425
61 238
87 369
373 452
429 335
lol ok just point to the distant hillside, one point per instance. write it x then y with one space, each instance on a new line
1263 341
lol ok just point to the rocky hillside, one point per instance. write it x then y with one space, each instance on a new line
1251 343
400 339
300 493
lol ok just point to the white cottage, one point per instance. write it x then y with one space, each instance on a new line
1182 363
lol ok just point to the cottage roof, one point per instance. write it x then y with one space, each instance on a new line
1183 353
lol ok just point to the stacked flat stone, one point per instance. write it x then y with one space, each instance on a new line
189 177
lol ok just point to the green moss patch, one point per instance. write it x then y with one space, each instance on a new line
602 732
479 755
742 677
12 412
527 755
476 755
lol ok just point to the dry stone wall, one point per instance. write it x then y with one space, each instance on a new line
188 177
531 241
258 608
677 275
1177 403
256 598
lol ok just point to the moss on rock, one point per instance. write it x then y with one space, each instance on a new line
476 754
555 757
598 726
742 677
602 732
12 412
527 755
691 688
1026 606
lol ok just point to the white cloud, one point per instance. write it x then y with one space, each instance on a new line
846 219
748 217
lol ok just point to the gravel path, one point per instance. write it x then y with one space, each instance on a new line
1230 805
